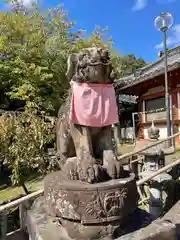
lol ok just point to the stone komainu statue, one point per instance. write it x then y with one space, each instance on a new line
84 144
84 136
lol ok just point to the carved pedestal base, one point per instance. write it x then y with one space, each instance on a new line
90 211
41 226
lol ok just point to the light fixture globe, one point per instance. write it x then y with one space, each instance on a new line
163 22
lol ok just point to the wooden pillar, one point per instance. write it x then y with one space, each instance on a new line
141 118
175 116
175 105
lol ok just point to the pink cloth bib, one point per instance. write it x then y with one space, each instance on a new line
93 105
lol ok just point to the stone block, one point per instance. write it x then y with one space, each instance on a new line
44 227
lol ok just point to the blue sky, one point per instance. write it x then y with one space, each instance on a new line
130 22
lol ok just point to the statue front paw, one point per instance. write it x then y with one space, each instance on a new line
86 171
91 173
114 170
113 167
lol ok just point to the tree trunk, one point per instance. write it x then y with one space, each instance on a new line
2 158
25 188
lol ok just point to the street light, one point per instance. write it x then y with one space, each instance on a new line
163 23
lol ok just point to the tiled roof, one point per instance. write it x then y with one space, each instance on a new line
152 70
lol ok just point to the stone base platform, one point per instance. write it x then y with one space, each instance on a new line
90 211
43 227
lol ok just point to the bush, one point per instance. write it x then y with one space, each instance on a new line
24 138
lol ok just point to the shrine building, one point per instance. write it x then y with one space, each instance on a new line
147 84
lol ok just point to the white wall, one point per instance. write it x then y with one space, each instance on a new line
162 131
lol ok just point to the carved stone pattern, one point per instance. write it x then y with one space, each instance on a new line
107 205
82 202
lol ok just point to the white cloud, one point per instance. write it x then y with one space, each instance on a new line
140 4
26 3
173 39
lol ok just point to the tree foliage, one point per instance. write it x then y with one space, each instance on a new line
34 47
23 138
127 65
98 38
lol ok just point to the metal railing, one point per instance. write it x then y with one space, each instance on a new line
23 202
23 205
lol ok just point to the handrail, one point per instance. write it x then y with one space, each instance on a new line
137 160
40 192
21 200
161 170
140 182
147 147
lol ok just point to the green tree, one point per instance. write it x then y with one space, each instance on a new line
34 48
126 65
23 137
98 38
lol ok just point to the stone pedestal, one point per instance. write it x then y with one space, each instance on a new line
137 226
90 211
41 226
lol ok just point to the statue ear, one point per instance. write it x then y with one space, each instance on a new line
71 65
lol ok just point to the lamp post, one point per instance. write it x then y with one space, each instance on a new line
163 22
